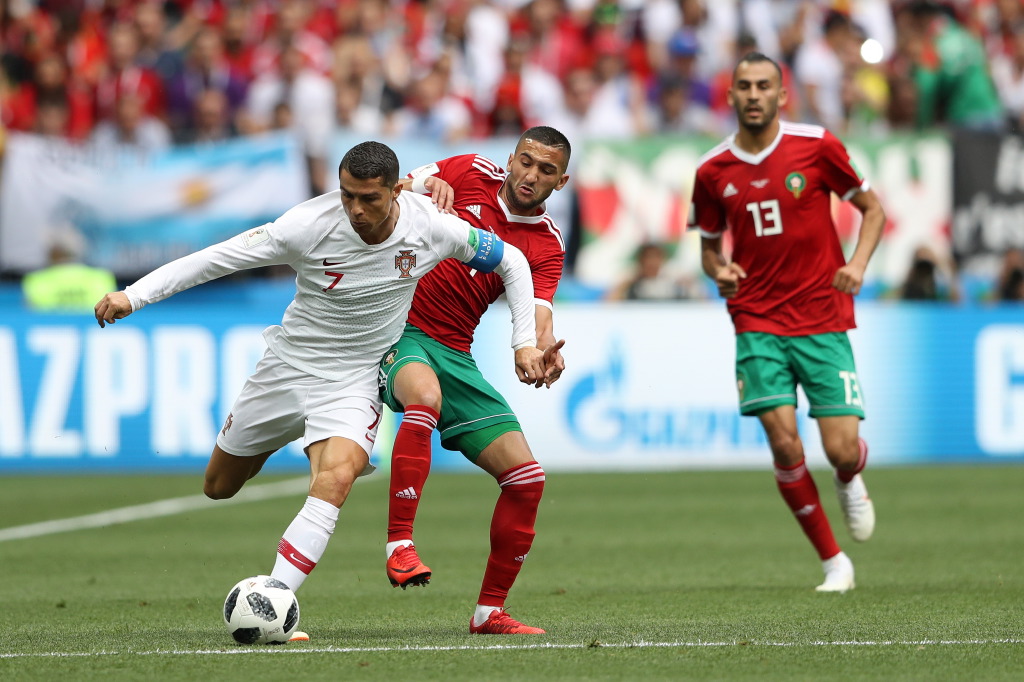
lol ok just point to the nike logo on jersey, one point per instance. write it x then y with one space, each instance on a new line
328 264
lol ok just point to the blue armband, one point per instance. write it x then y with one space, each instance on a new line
489 250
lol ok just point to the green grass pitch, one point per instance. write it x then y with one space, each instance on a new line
640 576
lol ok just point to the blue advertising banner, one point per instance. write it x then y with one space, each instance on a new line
647 387
652 386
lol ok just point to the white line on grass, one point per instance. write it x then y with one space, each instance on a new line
505 647
152 510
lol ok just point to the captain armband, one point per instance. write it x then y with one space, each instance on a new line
489 250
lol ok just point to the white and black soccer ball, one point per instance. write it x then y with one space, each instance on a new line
261 610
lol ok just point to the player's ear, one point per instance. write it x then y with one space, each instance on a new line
562 181
783 96
508 166
730 98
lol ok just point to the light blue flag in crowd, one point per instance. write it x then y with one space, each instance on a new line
136 211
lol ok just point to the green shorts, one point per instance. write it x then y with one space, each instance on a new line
473 413
769 367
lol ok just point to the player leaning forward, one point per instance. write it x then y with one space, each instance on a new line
357 254
790 294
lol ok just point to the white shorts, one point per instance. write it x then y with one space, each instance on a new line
280 403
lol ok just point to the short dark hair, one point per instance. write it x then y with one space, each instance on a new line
926 9
755 58
368 160
835 19
549 137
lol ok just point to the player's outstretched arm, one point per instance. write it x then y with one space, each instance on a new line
249 249
515 274
112 307
485 252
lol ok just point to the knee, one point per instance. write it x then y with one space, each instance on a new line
219 488
417 384
428 396
334 482
787 448
842 451
525 478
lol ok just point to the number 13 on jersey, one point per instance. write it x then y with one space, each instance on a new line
852 388
767 219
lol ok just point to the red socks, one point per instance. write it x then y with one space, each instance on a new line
511 529
801 494
410 465
512 525
847 475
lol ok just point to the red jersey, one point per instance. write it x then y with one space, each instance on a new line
777 205
451 299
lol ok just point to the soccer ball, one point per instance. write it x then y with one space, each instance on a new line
261 610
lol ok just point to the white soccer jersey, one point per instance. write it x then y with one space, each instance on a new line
351 298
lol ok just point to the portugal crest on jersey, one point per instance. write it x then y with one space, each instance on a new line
405 261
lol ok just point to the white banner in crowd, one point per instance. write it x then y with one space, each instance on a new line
138 211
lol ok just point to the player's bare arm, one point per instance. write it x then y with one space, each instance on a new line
850 277
112 307
727 275
441 193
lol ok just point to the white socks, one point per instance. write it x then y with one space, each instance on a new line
390 548
304 541
482 612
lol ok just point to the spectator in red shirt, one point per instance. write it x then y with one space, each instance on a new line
50 83
124 76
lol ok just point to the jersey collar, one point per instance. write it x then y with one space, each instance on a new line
754 159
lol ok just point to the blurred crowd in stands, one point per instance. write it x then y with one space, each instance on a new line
153 73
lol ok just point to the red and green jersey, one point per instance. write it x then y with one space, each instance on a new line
451 299
777 207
